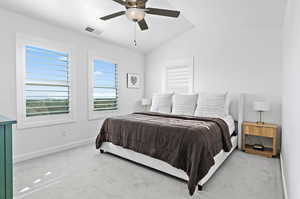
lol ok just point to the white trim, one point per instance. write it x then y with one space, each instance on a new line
175 63
96 115
45 123
38 121
283 177
52 150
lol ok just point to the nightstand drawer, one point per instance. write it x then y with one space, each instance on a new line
269 132
259 131
253 130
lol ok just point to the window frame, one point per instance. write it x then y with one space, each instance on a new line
177 63
94 115
45 120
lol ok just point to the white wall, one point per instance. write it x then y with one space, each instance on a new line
234 58
30 142
291 99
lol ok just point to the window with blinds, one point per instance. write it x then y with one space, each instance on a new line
179 79
47 86
105 92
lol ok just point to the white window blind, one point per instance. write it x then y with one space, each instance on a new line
179 79
105 92
47 86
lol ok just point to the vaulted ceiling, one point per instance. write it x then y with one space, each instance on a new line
263 13
78 14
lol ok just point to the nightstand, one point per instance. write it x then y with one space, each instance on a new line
266 131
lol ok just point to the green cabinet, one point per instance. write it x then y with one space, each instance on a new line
6 162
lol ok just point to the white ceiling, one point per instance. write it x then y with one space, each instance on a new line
78 14
232 12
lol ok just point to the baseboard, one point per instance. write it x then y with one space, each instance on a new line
285 193
51 150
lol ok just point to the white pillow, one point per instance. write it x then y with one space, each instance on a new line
184 104
162 103
212 105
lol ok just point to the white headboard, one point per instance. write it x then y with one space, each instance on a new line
236 110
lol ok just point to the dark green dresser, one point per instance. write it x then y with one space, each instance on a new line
6 162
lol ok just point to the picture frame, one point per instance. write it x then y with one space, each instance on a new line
133 80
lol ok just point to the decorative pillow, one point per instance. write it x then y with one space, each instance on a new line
212 105
184 104
162 103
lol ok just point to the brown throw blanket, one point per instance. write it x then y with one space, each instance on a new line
185 142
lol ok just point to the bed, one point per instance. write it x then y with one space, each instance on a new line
208 159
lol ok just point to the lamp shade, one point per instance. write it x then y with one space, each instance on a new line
261 106
146 102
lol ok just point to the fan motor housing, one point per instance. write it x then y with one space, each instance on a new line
136 4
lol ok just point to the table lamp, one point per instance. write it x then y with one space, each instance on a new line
261 106
145 103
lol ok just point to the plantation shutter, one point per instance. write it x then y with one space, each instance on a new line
47 86
179 79
105 93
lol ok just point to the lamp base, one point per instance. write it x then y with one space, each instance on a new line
260 122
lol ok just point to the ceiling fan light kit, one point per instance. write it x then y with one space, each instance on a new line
135 14
136 11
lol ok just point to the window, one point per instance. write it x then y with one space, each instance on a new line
179 77
47 82
44 89
103 87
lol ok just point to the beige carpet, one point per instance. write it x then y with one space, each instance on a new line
85 174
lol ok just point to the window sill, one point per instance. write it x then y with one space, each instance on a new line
38 124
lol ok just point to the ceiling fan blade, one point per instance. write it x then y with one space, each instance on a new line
117 14
163 12
143 25
120 2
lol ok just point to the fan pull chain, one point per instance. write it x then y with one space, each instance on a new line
134 41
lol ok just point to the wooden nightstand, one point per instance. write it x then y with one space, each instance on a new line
260 130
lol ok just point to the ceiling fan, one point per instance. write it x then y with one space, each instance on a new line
136 11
